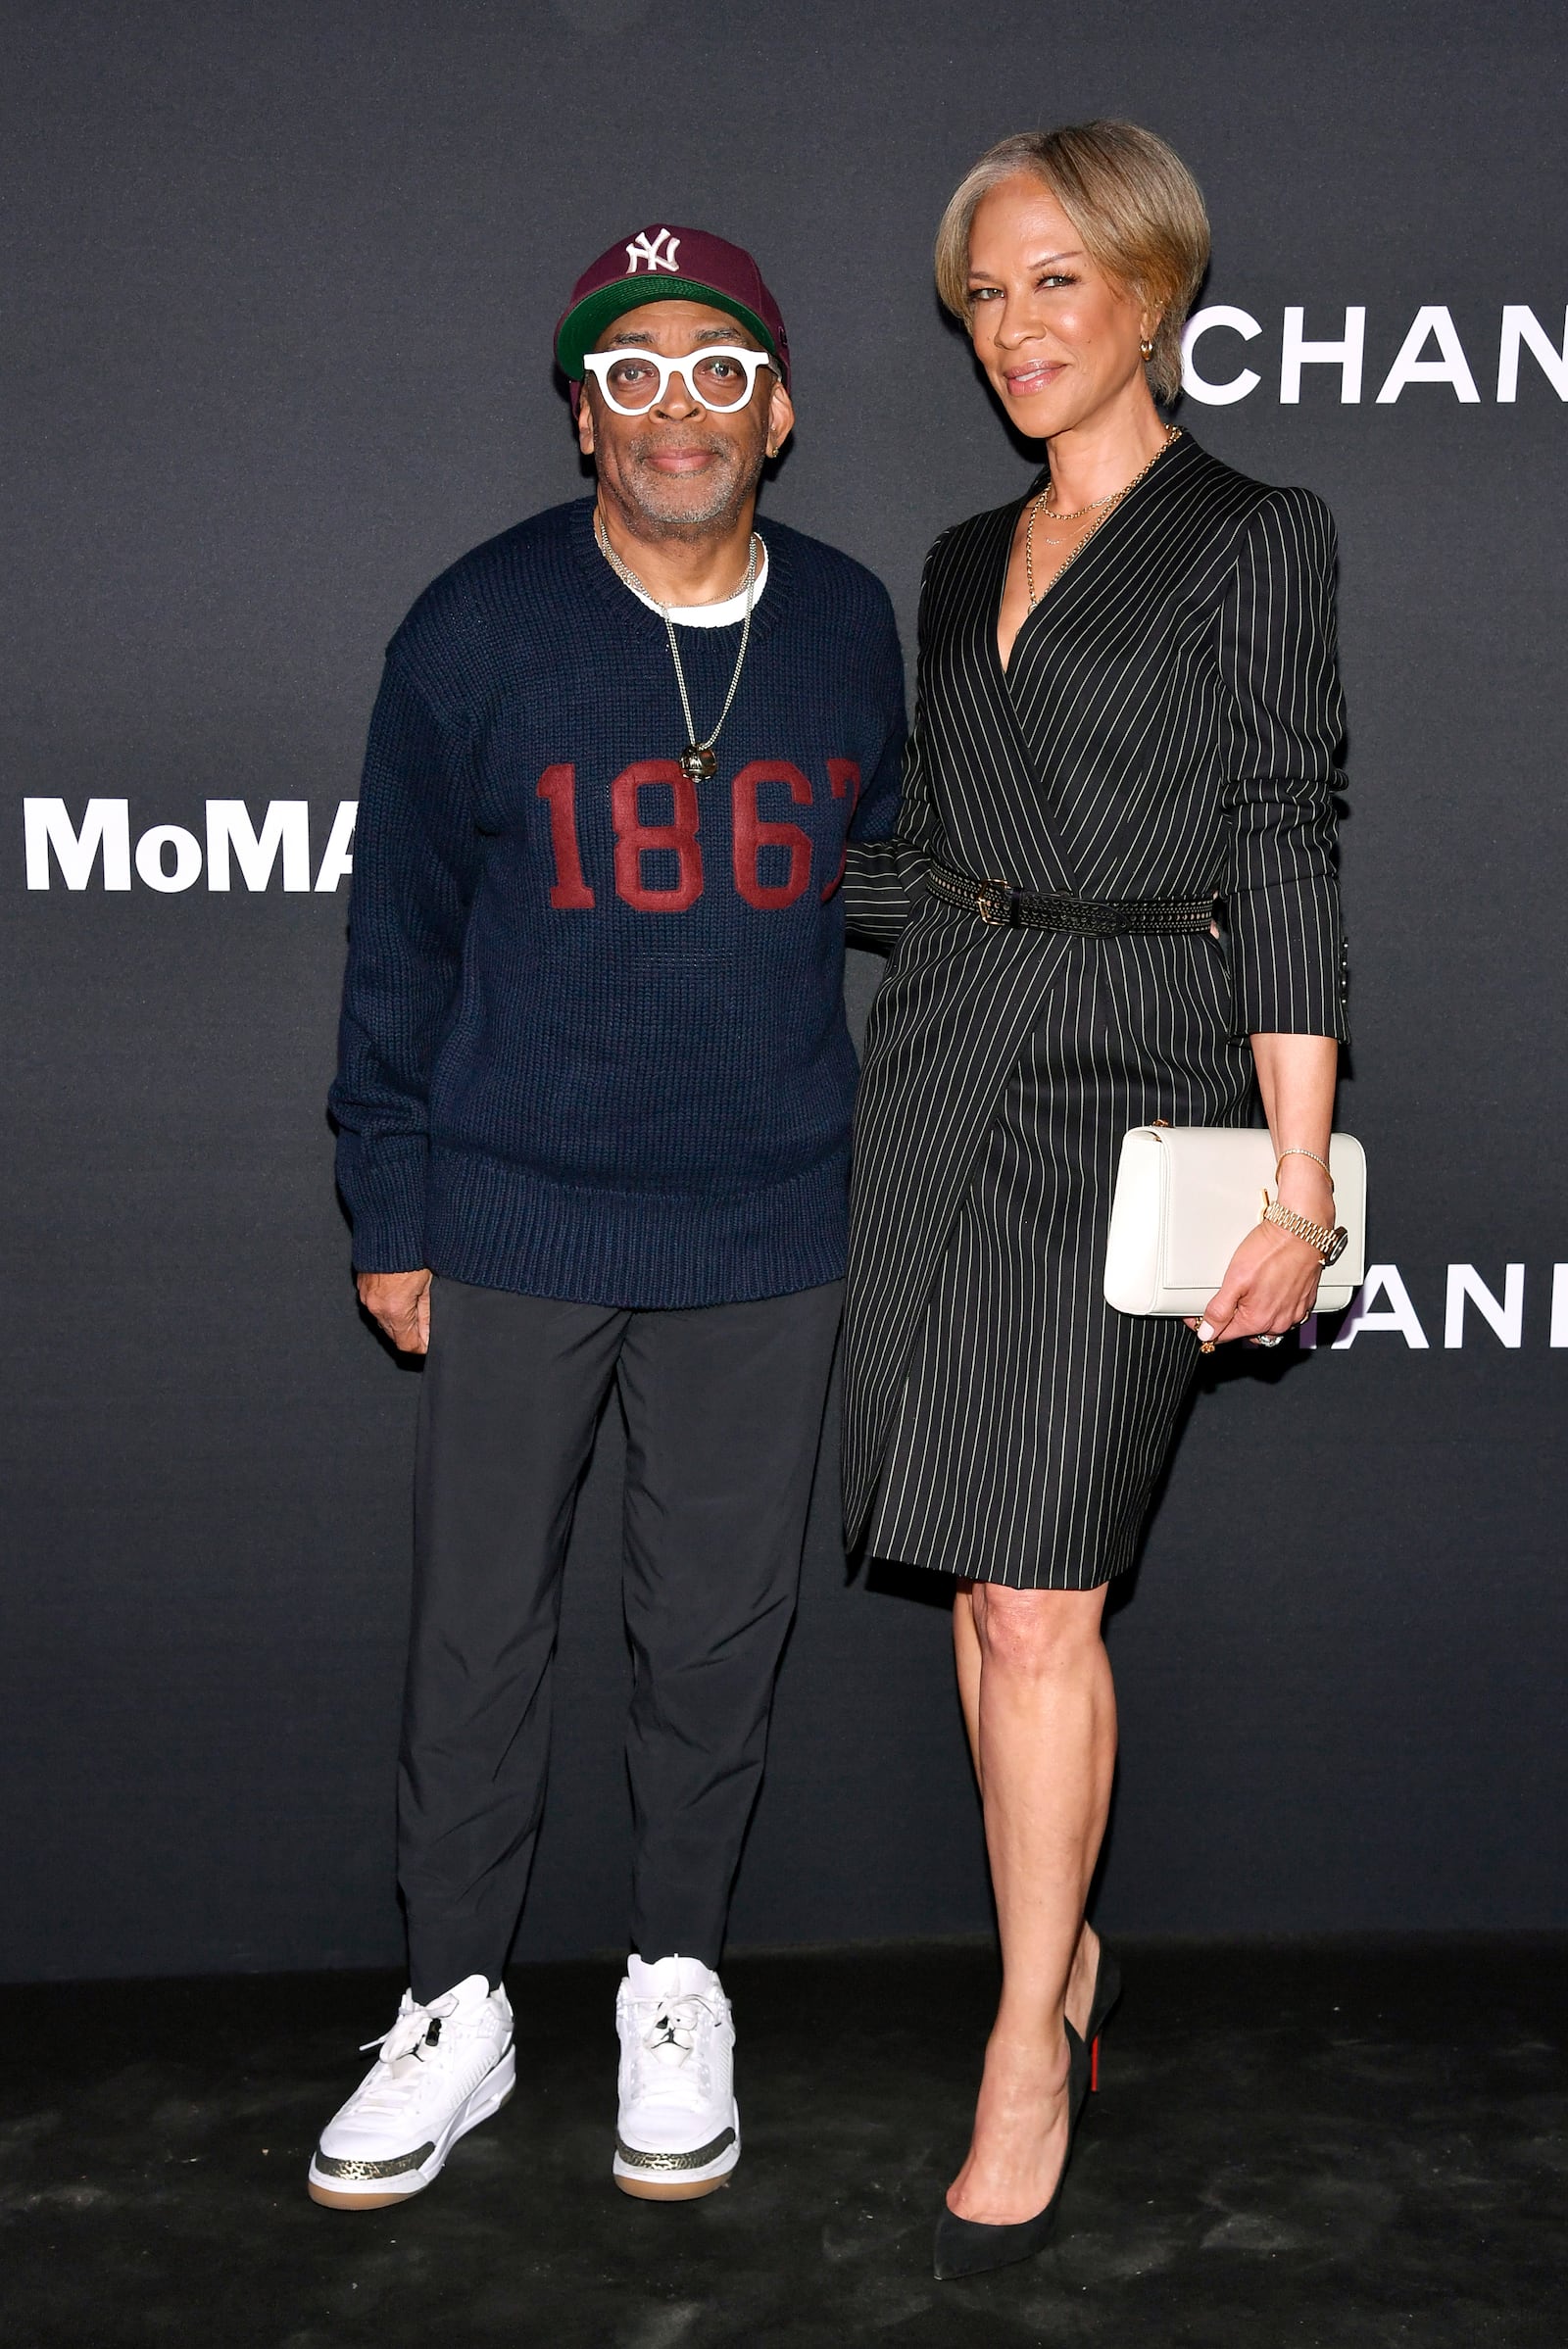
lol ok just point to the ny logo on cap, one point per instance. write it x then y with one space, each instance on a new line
645 252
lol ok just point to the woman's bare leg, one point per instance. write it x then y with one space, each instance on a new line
1044 1732
966 1659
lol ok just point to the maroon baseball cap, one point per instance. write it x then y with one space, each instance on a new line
669 265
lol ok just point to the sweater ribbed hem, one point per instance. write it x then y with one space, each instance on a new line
497 1226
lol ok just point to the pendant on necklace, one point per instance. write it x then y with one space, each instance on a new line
699 762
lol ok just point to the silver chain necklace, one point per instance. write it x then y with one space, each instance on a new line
698 759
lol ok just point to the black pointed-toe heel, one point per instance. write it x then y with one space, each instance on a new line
1107 1990
966 2247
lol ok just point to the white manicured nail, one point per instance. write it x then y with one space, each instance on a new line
1204 1332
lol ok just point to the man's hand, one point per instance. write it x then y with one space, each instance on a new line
399 1302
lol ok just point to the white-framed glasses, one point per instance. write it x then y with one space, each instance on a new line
721 375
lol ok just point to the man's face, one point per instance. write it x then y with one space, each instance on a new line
680 467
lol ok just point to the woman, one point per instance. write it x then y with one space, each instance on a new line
1113 900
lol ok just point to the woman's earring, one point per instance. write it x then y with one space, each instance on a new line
1147 348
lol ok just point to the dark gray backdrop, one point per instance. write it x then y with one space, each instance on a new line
284 277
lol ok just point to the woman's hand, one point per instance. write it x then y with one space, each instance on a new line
1270 1285
1271 1282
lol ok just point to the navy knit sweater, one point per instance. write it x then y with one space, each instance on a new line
593 1041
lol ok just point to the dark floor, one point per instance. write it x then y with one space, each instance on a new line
1344 2146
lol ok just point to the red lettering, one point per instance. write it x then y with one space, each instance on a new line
752 835
570 893
635 840
845 776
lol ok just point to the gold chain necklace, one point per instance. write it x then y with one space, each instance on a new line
1173 433
699 759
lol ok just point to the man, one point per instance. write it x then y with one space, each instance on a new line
593 1102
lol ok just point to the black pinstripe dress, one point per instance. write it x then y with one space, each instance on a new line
1168 725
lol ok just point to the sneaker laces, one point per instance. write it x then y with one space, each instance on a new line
411 2029
671 2038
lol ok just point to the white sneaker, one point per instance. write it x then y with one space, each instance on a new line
442 2069
678 2130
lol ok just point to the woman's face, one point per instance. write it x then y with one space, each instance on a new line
1057 339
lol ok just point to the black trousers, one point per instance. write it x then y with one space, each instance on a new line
723 1408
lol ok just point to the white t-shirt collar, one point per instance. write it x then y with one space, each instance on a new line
727 615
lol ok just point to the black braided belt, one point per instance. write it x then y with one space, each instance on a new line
1007 909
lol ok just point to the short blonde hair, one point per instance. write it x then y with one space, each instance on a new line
1131 198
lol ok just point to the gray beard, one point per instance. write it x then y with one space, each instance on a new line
665 508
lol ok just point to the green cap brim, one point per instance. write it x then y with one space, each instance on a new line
583 325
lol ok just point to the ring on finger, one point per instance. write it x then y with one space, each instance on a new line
1268 1341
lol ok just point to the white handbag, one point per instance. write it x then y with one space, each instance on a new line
1186 1198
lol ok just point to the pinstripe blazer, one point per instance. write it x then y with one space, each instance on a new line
1168 725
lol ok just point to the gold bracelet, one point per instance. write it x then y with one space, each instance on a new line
1295 1153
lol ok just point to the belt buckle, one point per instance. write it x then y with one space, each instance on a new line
995 901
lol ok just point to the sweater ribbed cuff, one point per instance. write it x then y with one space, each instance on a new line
385 1184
